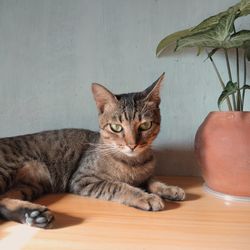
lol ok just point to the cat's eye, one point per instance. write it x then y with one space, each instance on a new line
116 128
145 126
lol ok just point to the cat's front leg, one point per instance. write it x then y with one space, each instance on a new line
165 191
118 192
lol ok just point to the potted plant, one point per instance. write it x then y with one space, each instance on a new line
222 143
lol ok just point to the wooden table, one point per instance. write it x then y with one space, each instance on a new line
200 222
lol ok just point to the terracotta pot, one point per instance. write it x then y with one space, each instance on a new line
222 147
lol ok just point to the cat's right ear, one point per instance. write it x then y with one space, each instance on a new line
103 97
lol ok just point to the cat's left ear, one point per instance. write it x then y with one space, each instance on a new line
152 93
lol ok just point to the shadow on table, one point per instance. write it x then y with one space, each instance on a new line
64 220
176 162
192 197
171 205
176 204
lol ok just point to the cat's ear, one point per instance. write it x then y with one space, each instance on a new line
152 93
103 97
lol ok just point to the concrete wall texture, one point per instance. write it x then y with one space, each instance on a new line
52 50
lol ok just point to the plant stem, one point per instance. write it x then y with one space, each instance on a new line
244 80
230 76
239 103
221 82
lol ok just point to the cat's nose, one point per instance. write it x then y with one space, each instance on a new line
132 147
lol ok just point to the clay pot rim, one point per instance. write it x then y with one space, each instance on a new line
227 112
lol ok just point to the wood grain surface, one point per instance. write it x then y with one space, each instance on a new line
200 222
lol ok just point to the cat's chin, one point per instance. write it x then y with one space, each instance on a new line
131 154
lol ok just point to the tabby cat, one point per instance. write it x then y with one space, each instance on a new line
115 164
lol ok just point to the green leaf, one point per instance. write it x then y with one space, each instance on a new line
215 37
244 7
240 39
230 89
208 23
170 40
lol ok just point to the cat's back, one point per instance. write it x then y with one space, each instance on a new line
54 135
50 146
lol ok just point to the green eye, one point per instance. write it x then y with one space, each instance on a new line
116 128
145 126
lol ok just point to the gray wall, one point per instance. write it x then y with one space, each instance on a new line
51 51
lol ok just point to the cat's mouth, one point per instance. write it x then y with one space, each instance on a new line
132 152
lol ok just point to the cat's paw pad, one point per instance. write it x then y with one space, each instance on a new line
39 217
150 202
173 193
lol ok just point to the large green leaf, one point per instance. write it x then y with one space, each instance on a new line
212 21
215 37
170 40
212 32
174 37
230 89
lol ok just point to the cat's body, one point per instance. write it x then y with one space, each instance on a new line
114 164
58 153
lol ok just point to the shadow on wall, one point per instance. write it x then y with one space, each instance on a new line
176 161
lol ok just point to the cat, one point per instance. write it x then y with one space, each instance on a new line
114 164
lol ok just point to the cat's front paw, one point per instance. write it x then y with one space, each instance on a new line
173 193
38 216
150 202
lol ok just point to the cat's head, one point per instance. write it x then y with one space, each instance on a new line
129 122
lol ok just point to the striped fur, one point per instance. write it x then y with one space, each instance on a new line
109 165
